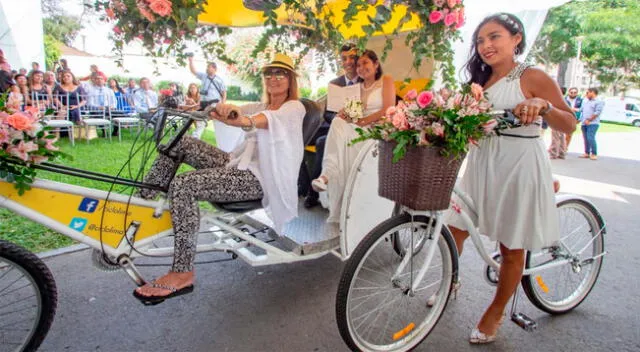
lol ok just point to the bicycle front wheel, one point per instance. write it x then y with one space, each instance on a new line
560 289
28 299
375 308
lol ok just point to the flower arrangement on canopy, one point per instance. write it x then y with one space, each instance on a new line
24 141
165 26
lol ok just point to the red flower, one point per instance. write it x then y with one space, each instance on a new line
160 7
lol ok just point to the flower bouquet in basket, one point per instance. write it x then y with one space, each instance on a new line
424 139
24 141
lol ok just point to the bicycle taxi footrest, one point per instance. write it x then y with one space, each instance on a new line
239 207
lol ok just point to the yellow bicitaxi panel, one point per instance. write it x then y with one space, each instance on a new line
89 214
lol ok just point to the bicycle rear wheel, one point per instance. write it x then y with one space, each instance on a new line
375 310
28 299
560 289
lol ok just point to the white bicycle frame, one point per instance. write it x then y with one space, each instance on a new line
470 226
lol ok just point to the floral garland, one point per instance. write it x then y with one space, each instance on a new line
164 27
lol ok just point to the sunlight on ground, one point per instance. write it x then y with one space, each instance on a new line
595 189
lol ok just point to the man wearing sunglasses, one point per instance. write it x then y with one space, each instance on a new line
348 59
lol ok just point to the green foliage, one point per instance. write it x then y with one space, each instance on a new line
236 93
51 51
322 91
305 92
62 28
557 39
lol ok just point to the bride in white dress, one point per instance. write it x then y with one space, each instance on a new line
378 93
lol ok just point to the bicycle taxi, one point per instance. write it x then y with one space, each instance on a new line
400 268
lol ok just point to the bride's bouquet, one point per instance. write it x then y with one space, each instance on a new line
353 110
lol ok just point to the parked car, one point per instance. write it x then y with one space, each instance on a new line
622 110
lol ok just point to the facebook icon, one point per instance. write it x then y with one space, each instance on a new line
88 205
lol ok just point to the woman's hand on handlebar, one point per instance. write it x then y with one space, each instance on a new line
528 110
222 112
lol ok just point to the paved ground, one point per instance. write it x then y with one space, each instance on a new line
291 307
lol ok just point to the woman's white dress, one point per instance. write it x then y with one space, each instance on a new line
509 180
339 156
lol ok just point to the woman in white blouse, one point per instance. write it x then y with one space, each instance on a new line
265 166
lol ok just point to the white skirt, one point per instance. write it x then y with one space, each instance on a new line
510 182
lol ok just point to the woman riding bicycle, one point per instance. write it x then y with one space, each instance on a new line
265 166
509 176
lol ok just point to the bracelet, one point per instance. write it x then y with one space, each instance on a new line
546 111
251 127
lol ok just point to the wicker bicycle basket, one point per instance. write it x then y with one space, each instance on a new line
422 180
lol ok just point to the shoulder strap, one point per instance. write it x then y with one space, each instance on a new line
517 71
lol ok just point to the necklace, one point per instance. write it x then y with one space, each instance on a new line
373 85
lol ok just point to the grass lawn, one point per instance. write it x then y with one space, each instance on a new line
98 155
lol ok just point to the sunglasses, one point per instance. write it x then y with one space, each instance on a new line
277 74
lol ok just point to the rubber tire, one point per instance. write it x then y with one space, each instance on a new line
636 123
528 282
46 287
352 264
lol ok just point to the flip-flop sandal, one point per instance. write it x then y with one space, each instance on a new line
153 300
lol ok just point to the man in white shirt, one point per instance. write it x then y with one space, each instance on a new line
99 97
145 99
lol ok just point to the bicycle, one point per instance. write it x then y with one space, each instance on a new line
411 259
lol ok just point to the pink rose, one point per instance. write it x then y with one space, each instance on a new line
450 19
452 3
144 11
400 121
19 121
477 91
435 17
460 21
411 95
438 3
161 7
424 99
4 135
117 30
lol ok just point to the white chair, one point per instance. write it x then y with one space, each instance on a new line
61 125
97 117
124 117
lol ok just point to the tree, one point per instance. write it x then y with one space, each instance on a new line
612 45
51 51
62 27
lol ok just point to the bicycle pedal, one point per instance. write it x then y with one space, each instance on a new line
524 322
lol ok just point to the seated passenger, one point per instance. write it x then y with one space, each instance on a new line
377 93
265 166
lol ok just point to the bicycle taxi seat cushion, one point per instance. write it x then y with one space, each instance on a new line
240 207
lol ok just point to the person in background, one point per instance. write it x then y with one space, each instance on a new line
15 99
144 98
213 90
22 71
192 99
50 80
23 85
590 119
94 71
69 95
348 58
121 97
575 102
39 93
34 67
60 67
99 96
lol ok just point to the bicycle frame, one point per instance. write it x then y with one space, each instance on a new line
435 233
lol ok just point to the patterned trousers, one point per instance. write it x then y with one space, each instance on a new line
558 147
211 181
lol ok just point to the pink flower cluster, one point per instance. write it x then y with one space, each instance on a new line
451 12
148 8
18 133
424 112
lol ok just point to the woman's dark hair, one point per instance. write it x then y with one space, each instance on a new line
477 70
373 57
118 88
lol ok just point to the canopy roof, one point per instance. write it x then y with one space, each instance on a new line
235 14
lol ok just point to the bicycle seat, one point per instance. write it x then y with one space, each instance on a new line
239 207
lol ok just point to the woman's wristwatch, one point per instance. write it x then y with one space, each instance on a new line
250 127
547 109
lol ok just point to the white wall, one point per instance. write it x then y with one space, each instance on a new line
21 32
